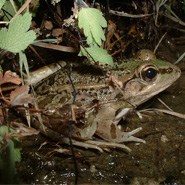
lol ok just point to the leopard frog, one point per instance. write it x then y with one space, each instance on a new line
101 98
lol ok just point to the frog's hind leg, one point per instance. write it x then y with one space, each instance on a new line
128 136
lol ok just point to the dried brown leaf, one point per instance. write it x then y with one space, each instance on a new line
9 77
57 32
48 25
21 96
24 130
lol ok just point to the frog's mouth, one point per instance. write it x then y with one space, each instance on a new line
139 89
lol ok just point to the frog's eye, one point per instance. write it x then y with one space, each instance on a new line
148 73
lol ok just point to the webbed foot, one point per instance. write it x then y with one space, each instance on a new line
128 136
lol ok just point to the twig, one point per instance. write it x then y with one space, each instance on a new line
156 47
164 104
172 113
56 47
157 7
174 19
123 14
4 22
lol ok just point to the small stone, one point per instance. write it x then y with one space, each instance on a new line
164 139
93 169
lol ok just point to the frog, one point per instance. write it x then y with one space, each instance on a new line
102 97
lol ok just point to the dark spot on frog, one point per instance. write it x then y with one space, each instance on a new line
95 101
43 89
113 131
82 99
166 70
91 89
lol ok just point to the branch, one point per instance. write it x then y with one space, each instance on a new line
174 19
123 14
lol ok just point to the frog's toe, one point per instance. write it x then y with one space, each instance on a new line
128 136
133 139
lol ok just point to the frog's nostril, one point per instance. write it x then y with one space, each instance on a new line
169 70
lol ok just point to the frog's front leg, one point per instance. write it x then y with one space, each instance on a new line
107 120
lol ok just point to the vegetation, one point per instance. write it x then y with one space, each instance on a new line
9 154
106 31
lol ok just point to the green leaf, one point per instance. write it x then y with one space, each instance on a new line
96 54
2 2
14 152
5 130
10 9
23 62
17 37
92 21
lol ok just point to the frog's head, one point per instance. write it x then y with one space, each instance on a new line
149 79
